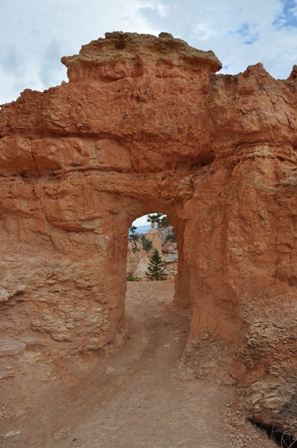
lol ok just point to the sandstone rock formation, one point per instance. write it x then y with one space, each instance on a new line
137 262
145 125
154 236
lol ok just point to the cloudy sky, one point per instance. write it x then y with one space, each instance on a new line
35 34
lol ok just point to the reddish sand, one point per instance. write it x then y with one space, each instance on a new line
126 397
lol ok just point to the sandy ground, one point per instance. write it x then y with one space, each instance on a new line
129 398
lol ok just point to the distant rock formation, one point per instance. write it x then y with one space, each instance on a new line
137 263
154 236
145 124
138 260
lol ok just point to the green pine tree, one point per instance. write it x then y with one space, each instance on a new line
146 244
155 218
133 235
155 270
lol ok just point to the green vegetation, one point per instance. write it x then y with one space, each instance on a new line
155 270
156 218
159 219
146 244
132 278
133 235
171 237
163 222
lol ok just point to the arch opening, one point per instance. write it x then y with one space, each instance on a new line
152 235
151 301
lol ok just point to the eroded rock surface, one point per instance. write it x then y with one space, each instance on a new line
145 125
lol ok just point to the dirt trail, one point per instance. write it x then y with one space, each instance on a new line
129 398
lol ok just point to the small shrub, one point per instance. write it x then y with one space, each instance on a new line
132 278
171 238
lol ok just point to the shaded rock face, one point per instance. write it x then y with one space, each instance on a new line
145 125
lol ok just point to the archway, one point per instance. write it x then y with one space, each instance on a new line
175 226
150 315
150 236
147 234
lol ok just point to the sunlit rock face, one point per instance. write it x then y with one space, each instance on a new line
145 125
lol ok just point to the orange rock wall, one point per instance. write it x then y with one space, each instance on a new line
144 125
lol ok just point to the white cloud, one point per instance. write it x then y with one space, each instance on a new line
142 221
240 32
35 34
203 31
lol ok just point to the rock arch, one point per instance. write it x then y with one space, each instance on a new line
145 124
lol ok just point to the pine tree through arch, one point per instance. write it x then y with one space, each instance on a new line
155 270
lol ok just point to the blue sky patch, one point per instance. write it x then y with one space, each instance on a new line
252 40
288 18
246 31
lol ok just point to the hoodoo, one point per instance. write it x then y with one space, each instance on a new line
143 125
